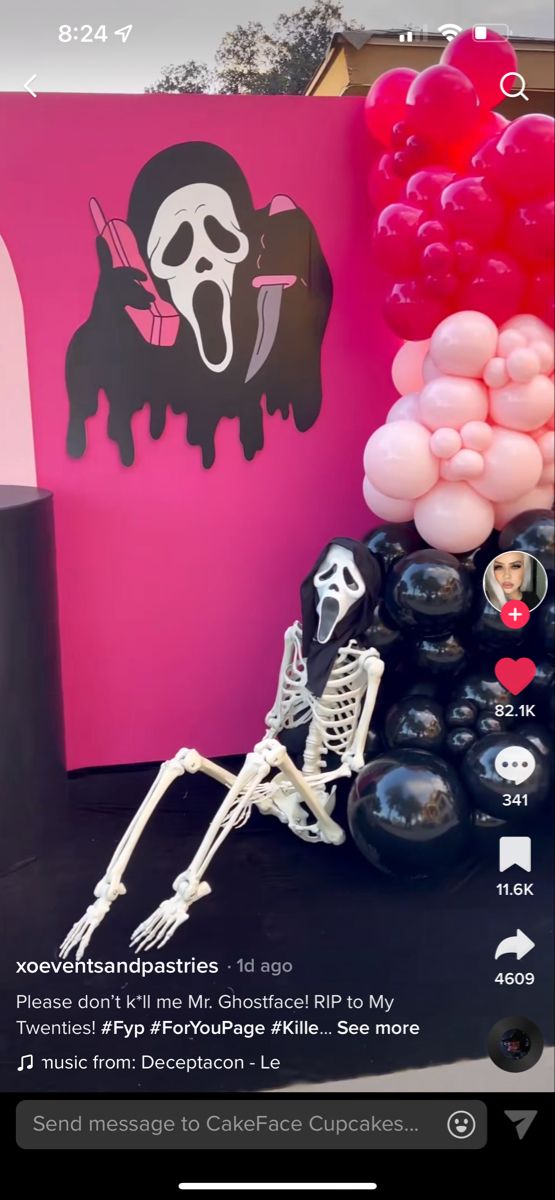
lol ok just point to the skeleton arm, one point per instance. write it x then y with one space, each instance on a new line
290 675
374 667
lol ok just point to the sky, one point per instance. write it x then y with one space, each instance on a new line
172 31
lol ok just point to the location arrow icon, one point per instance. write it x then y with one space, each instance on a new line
519 944
521 1120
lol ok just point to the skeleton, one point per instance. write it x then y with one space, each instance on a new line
338 721
196 239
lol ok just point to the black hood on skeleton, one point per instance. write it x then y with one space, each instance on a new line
321 657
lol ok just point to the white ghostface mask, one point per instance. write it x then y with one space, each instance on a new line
195 243
339 585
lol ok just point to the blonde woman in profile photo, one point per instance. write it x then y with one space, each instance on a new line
515 575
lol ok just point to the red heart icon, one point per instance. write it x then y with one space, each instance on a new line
515 673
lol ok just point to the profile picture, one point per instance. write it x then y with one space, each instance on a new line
515 1044
515 575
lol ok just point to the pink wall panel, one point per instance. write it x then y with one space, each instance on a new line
176 582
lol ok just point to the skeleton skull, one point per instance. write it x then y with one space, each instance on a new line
195 244
339 585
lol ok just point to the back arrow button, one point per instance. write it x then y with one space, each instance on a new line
28 87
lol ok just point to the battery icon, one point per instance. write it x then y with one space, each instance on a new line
480 32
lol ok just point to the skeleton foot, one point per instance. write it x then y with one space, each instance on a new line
81 933
170 914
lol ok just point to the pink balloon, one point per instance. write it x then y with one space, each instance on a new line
440 100
384 185
424 188
522 167
385 102
546 446
398 460
485 62
512 466
463 343
406 371
384 506
522 406
453 517
548 474
429 369
451 400
538 497
529 327
410 312
531 229
495 373
476 435
445 442
471 212
404 409
467 464
510 339
523 364
545 356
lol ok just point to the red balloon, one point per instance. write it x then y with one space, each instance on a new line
425 187
484 157
466 258
531 231
484 62
522 167
395 245
437 259
540 296
471 213
384 186
385 102
488 127
411 312
496 289
431 231
440 101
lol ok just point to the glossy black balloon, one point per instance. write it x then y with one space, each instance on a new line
488 630
381 634
392 541
533 532
487 788
415 721
459 740
428 592
477 560
486 831
487 722
441 656
483 689
408 814
461 712
542 689
545 618
539 738
424 686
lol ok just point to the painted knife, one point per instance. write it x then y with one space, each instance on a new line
270 292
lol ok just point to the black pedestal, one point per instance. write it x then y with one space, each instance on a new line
32 768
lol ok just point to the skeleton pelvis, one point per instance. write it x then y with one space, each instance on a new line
284 802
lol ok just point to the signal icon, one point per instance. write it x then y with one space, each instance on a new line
449 31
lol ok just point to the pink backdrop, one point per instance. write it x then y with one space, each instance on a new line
176 583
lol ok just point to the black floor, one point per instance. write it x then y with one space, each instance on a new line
345 928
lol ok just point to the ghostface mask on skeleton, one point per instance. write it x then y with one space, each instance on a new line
195 244
339 586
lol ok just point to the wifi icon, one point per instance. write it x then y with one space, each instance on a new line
449 31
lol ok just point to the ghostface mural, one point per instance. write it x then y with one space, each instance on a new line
205 307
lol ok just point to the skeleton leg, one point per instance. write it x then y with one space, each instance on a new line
189 885
276 755
110 886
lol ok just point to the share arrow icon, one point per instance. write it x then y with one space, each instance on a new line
519 944
521 1120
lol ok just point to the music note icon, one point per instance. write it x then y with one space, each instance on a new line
26 1062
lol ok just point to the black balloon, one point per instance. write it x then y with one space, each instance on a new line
539 738
441 656
477 560
487 722
381 634
545 617
542 689
459 740
428 592
462 712
390 542
483 689
486 831
534 533
487 788
415 721
489 631
408 814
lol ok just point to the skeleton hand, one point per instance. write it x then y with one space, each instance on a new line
119 287
170 914
106 891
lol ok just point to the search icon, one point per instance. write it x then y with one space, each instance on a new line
509 90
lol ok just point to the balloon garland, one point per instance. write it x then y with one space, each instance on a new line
464 230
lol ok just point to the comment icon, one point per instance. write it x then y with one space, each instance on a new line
515 764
